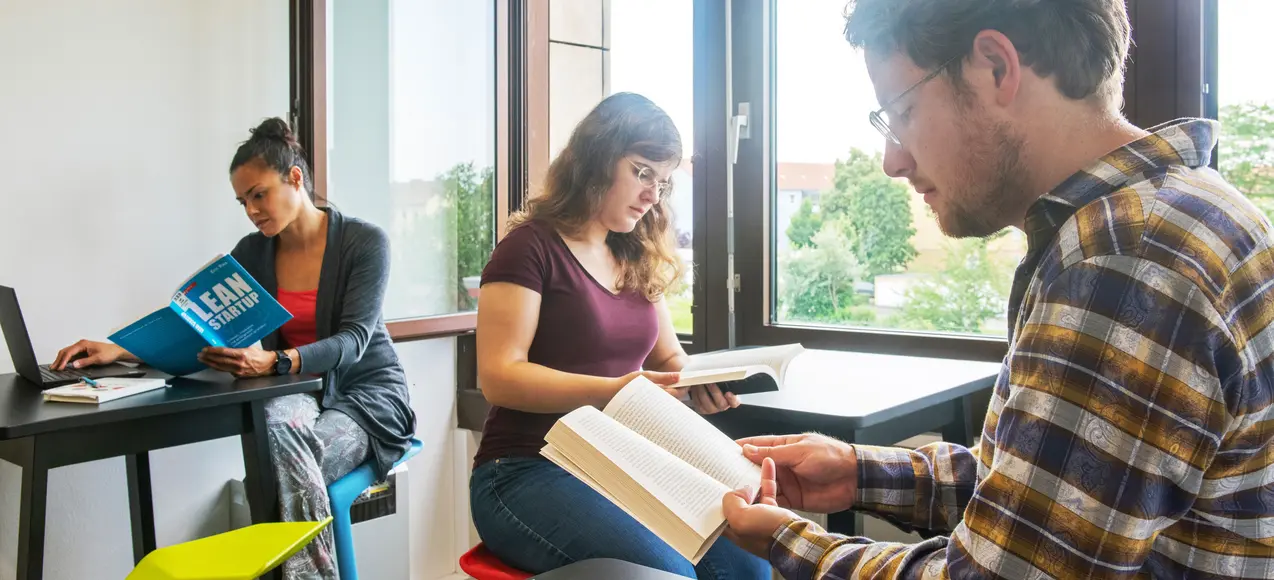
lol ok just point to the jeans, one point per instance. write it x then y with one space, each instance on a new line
537 517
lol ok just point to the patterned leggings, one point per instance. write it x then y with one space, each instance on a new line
310 451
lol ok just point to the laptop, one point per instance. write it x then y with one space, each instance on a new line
23 354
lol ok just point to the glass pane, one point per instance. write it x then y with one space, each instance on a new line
663 71
1245 98
411 141
852 246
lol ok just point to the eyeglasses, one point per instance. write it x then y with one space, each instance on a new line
646 176
880 117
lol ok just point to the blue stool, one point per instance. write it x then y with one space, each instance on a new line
342 494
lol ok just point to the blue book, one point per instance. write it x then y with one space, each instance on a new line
220 305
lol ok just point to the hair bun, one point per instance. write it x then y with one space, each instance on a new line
274 128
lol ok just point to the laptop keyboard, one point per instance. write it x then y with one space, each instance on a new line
66 375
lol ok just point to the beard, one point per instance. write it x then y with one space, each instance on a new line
992 178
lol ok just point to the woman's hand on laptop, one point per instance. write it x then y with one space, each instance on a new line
87 353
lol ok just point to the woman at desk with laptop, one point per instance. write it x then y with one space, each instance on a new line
330 271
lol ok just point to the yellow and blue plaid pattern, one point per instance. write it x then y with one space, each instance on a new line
1130 432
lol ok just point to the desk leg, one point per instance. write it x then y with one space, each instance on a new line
259 480
969 416
957 430
848 523
35 488
140 502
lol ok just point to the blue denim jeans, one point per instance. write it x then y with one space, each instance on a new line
537 517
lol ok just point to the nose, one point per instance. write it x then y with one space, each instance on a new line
898 161
650 194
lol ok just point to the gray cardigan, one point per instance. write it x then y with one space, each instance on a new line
363 377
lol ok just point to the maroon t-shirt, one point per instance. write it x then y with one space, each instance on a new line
583 329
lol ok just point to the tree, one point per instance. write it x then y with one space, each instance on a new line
805 223
1246 156
817 281
971 288
872 210
469 191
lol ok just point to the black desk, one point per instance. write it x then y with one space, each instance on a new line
871 399
39 436
606 568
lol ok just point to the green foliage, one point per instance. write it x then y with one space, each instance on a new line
805 223
871 209
971 288
817 281
680 305
469 191
1246 157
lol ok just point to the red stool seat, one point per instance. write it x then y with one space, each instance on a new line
480 563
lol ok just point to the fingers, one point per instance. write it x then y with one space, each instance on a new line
732 399
230 360
736 503
65 355
696 400
662 378
719 403
88 361
769 483
783 454
769 440
678 393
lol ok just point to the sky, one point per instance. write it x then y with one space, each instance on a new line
823 92
1244 51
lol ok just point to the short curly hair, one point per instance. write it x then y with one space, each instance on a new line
1082 44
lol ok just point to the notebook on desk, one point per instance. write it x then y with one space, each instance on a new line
102 390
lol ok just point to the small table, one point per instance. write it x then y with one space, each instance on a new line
38 436
872 399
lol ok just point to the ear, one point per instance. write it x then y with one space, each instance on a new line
995 67
296 178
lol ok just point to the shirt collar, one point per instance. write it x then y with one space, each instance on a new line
1187 142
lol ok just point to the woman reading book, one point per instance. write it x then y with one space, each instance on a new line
571 310
329 271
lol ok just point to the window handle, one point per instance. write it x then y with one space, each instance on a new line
740 129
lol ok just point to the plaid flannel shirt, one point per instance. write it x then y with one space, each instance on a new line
1130 430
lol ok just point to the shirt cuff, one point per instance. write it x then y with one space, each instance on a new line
799 547
883 472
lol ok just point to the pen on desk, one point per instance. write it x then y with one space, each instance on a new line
90 382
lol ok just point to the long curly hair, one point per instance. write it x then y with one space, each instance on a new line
582 174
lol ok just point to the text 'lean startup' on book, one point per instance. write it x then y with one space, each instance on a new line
220 305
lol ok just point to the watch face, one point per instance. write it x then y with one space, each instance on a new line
283 365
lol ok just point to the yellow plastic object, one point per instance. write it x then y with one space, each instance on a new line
241 554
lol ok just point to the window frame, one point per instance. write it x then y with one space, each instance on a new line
1164 81
308 39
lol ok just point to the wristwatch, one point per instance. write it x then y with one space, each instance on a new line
282 363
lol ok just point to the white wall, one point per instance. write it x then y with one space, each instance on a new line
117 123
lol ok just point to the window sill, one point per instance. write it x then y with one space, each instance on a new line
441 326
884 341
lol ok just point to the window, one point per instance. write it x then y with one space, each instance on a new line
411 140
1245 99
600 48
663 71
853 247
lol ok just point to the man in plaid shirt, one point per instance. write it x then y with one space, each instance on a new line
1130 430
